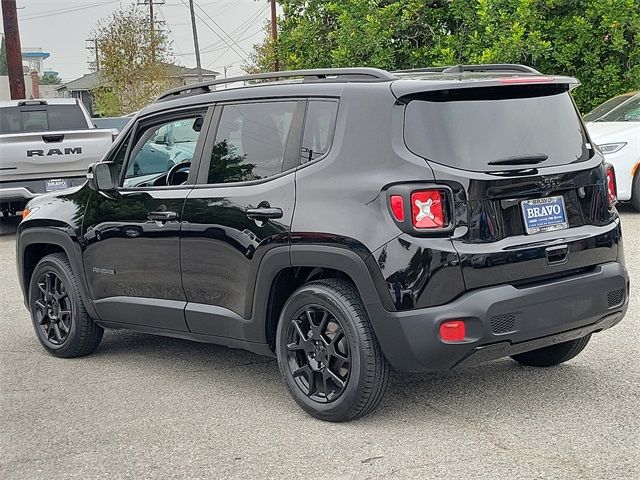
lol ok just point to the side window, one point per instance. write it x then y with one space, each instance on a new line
318 129
250 141
159 147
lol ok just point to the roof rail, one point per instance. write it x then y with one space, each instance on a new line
308 76
490 67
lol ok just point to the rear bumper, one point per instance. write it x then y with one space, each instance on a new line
25 190
504 320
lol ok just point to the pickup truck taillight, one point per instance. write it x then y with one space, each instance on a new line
612 190
417 210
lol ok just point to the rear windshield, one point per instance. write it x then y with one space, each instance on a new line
469 128
41 118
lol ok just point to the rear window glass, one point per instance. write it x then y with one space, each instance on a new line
509 125
41 118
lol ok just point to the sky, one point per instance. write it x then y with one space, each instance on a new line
61 27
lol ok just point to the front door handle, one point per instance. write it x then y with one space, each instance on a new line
262 213
162 216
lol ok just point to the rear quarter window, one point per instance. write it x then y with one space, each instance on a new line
319 126
469 129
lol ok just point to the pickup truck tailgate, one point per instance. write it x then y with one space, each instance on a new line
26 156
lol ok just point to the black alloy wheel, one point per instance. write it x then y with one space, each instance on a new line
60 319
53 309
318 353
327 352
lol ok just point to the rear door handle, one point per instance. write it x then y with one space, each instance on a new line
162 216
261 213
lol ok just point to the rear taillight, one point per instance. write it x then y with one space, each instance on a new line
420 210
427 209
612 191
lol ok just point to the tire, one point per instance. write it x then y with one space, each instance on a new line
327 351
54 291
635 191
554 354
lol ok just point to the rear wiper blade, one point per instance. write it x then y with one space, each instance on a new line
523 160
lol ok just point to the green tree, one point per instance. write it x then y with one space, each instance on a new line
50 79
135 62
3 59
598 41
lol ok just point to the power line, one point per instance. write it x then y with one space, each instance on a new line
213 30
239 30
222 29
63 11
212 50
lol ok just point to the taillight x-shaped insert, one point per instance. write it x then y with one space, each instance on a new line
427 209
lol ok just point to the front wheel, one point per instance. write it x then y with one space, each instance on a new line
328 354
554 354
59 317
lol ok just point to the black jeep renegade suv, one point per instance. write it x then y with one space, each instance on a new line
345 221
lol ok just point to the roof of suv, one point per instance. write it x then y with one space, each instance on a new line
332 81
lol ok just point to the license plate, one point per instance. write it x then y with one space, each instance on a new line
55 184
544 214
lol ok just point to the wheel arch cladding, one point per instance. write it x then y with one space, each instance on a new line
34 243
308 263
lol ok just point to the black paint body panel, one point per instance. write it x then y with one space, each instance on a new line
208 274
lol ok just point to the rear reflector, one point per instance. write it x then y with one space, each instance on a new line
452 331
397 207
426 209
612 191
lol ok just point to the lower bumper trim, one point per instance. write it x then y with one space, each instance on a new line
504 320
494 351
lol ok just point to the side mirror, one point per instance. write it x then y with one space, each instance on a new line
103 176
160 139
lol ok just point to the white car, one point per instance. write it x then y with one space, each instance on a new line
617 133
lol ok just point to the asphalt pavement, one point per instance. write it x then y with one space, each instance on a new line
147 407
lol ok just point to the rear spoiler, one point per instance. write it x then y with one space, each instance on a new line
416 85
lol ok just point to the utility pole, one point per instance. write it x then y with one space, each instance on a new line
152 20
195 40
274 35
14 51
96 50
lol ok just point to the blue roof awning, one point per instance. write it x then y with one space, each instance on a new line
42 55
